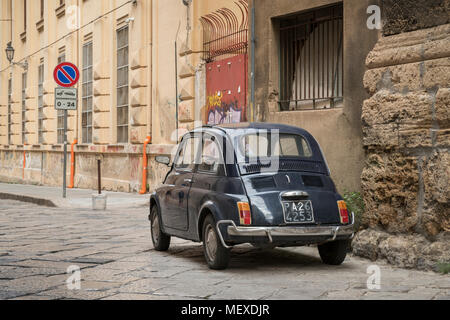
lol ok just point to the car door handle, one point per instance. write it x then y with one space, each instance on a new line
188 180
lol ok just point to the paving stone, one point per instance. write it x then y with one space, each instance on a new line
117 261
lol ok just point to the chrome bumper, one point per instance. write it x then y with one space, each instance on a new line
298 231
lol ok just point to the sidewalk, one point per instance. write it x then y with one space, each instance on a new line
76 198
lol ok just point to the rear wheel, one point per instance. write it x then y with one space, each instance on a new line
334 252
216 255
160 240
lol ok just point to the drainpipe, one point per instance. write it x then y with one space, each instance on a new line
144 166
252 72
72 163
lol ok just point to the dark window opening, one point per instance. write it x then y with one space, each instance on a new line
311 60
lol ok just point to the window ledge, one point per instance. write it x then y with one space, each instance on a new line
23 36
40 25
61 10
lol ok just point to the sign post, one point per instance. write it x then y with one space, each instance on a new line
66 75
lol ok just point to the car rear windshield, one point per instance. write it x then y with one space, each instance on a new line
269 145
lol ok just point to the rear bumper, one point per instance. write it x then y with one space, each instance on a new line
329 233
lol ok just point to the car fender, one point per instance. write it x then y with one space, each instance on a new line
154 201
207 207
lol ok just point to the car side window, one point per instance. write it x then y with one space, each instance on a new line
187 153
210 160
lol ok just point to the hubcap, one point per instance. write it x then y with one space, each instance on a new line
155 229
211 243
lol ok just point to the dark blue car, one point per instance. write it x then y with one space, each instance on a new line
259 183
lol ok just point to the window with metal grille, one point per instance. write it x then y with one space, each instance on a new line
24 107
86 122
41 103
122 85
60 113
9 109
311 60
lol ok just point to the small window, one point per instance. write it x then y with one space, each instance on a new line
24 108
87 94
186 158
10 109
211 158
40 101
122 85
24 15
42 9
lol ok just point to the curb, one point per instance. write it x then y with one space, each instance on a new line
18 197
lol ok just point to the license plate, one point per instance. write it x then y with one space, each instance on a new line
298 211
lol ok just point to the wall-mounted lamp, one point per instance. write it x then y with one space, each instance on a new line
10 56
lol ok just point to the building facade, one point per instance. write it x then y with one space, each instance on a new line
309 69
143 70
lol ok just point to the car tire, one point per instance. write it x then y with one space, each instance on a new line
160 240
333 252
216 255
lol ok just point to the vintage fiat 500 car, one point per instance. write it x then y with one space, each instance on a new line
259 183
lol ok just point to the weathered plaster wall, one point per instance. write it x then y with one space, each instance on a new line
121 171
406 126
337 130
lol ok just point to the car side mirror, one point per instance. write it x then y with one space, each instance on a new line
163 160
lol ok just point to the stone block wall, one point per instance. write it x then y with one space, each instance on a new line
406 135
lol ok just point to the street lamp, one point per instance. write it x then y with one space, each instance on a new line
10 56
9 52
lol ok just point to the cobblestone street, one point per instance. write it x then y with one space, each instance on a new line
117 261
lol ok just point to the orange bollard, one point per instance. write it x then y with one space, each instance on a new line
144 166
72 163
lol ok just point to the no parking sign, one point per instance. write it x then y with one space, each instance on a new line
66 74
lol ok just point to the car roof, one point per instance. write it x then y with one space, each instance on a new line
229 128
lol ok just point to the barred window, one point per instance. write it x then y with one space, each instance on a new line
311 60
86 122
24 107
41 103
122 85
60 113
9 109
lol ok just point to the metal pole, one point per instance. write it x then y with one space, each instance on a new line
65 154
176 88
252 72
99 176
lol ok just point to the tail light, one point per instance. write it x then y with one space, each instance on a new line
244 213
343 212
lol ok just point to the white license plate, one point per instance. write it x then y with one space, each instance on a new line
298 211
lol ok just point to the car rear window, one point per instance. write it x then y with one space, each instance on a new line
268 145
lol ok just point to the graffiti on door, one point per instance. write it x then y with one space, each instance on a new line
226 89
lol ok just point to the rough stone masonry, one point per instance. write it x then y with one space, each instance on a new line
406 135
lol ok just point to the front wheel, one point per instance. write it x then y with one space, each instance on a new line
160 240
334 252
216 255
